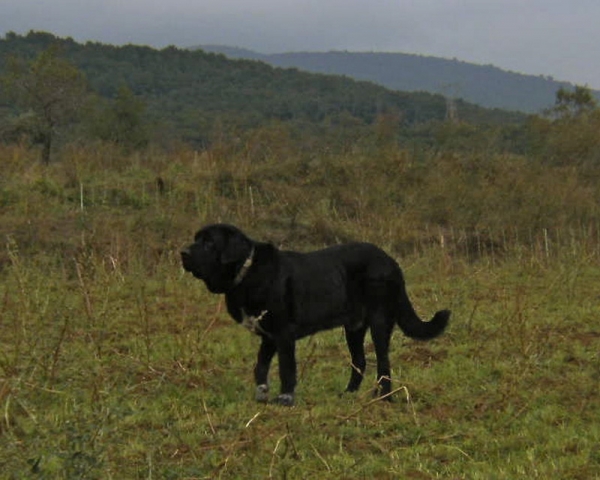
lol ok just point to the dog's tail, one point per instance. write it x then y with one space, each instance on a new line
413 327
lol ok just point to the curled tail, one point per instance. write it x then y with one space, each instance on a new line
413 327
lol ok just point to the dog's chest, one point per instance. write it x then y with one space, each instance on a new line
244 304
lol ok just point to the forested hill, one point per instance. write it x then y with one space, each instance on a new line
192 92
484 85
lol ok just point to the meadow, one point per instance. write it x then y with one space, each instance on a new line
114 364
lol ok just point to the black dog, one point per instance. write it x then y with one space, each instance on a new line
283 296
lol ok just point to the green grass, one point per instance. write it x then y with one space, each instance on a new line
115 364
106 375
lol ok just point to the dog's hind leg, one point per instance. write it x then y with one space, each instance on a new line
356 344
381 332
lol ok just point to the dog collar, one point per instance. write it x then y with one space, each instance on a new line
245 267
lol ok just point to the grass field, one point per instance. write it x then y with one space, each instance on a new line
115 364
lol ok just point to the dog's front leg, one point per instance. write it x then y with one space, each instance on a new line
261 370
286 349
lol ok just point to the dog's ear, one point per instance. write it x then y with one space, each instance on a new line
237 249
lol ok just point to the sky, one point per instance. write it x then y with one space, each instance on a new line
558 38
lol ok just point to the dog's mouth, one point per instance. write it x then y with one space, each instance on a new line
201 271
187 261
189 265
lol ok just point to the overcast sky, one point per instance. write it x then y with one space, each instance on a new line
560 38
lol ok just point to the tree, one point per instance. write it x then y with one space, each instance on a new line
49 92
122 121
574 103
569 134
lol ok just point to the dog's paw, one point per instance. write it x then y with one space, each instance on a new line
262 393
285 400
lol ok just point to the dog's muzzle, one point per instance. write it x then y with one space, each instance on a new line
186 259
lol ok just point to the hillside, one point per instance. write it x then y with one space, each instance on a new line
483 85
193 94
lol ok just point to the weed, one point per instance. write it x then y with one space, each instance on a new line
113 364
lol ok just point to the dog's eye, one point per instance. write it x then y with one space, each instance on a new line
208 245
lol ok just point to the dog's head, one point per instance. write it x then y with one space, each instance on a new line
217 256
